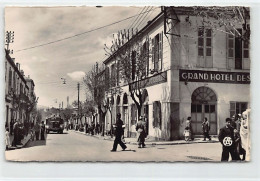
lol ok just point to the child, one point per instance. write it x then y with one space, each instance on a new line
186 134
7 139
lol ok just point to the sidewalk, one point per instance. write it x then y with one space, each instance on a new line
23 141
151 141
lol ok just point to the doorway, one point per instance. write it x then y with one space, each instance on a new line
204 104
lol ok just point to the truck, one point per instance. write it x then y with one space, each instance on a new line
55 124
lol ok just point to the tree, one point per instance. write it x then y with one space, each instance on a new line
228 17
66 113
96 84
132 63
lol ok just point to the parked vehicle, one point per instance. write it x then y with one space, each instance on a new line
55 124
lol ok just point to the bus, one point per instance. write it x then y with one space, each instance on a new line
55 124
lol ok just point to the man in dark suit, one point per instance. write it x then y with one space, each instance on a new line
118 133
226 138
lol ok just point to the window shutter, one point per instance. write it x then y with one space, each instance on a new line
160 51
154 114
159 115
147 57
153 51
10 79
232 108
231 50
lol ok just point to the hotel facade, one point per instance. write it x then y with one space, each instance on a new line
194 69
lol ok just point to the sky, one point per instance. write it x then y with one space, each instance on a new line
72 58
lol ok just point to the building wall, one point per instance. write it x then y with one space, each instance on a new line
181 52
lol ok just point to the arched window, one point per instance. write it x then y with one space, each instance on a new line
203 95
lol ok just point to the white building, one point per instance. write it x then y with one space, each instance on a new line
195 68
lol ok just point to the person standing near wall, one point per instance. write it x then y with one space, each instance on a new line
189 128
140 128
42 131
206 129
37 130
244 134
15 131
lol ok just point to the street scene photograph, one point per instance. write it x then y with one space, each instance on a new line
127 84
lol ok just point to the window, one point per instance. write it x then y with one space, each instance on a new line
14 81
157 115
113 75
205 47
133 62
133 114
145 58
10 79
237 108
21 88
157 45
5 69
238 49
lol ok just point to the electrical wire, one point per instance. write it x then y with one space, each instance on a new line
140 18
144 17
59 40
129 27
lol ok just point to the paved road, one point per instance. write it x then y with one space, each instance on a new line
72 146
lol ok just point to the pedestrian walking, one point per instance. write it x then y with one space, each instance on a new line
7 139
140 128
37 130
42 131
226 138
206 129
118 134
188 130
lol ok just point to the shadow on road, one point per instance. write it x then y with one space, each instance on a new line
37 142
57 133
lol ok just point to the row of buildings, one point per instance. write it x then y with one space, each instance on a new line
187 61
20 98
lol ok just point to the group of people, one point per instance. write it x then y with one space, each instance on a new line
188 131
39 131
91 128
19 133
119 133
234 138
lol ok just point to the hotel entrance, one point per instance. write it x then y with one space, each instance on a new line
204 102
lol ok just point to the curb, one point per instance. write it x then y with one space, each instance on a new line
27 140
150 143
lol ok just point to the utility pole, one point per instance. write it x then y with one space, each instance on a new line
9 39
78 101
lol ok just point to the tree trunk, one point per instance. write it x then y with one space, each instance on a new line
139 111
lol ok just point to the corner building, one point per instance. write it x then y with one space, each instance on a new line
195 70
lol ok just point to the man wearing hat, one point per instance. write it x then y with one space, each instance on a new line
118 133
140 128
226 138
